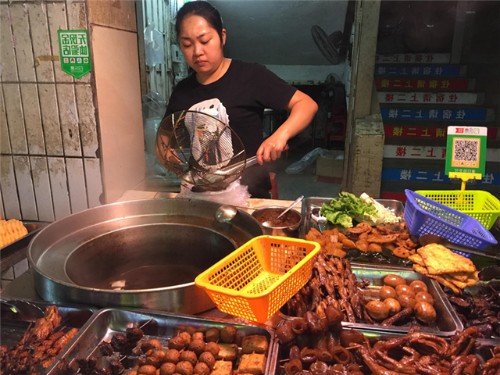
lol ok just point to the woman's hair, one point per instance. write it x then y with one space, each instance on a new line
202 9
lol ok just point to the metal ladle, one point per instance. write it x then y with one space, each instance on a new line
226 213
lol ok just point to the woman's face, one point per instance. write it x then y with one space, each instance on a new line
201 45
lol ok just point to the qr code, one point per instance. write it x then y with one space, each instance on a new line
466 152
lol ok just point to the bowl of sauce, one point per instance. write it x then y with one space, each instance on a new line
287 225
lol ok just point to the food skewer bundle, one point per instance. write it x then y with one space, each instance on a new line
39 346
332 283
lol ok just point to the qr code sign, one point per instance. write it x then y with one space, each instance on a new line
466 152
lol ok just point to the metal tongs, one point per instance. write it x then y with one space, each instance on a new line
319 219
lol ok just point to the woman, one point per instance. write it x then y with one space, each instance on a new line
243 90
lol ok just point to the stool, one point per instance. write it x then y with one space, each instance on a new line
336 128
274 185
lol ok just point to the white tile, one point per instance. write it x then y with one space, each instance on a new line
25 190
2 211
7 57
50 119
94 181
78 20
59 188
32 118
87 113
69 120
20 268
9 189
23 46
44 66
4 130
76 183
57 21
8 274
43 192
15 120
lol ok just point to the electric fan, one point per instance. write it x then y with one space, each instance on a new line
331 46
203 151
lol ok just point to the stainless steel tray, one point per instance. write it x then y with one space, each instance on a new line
18 315
447 323
483 348
447 320
16 251
310 204
32 227
107 322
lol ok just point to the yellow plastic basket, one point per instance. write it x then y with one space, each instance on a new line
259 277
481 205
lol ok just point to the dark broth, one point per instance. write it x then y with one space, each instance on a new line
289 219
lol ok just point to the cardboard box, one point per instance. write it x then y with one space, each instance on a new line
330 167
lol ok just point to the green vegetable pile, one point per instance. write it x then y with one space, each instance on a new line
346 208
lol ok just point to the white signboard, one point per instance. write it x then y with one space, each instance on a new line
428 97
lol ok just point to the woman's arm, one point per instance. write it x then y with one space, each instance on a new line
302 110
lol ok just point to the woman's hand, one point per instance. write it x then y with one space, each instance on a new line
271 149
302 110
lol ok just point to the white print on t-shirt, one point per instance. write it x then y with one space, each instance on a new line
211 143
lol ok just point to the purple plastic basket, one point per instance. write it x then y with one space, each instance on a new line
423 216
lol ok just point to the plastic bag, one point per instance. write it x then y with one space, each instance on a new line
307 159
154 50
235 194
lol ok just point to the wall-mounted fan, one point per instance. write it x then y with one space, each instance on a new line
331 46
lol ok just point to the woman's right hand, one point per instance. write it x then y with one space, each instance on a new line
271 149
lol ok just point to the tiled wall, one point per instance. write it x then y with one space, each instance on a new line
67 144
50 165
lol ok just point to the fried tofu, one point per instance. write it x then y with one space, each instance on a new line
443 265
252 364
222 368
440 260
227 352
254 344
472 279
416 258
438 278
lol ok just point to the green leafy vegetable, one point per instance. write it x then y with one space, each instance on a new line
346 208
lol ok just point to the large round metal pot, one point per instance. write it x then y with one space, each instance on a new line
143 254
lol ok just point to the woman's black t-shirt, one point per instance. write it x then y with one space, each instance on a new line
245 90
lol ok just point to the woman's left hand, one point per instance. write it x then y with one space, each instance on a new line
302 110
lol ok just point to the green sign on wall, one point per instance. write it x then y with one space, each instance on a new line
466 152
74 52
